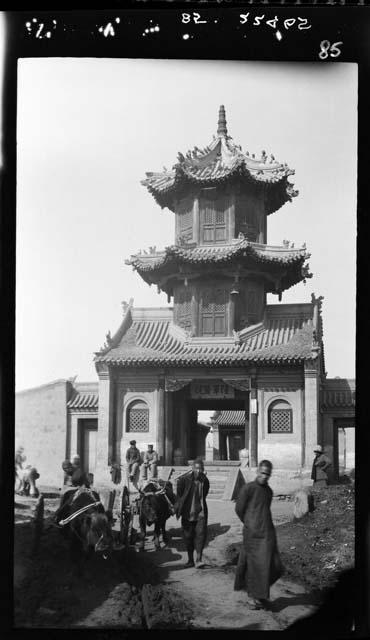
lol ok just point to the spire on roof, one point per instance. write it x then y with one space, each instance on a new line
221 128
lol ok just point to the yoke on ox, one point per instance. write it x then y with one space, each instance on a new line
155 507
85 522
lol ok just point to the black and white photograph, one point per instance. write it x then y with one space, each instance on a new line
185 342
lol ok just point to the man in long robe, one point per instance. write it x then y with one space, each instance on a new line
320 466
259 564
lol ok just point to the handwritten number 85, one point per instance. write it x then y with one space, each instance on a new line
327 49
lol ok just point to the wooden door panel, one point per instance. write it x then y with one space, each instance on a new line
207 325
219 325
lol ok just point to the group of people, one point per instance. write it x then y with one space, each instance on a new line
259 564
134 461
73 473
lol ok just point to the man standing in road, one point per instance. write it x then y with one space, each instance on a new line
259 564
320 466
192 490
133 459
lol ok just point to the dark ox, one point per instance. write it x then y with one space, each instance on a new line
154 508
90 530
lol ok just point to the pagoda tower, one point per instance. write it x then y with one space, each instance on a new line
220 267
220 345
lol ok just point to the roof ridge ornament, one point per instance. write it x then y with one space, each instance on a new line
221 125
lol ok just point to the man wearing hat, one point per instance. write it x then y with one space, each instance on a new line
150 462
133 459
320 466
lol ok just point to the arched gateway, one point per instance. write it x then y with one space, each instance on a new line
220 346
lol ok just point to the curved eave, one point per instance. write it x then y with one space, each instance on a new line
278 190
293 269
232 360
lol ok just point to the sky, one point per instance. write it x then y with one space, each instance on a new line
88 130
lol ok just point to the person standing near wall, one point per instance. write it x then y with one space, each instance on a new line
259 564
320 467
150 462
191 505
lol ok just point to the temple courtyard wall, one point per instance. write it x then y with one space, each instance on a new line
41 428
49 425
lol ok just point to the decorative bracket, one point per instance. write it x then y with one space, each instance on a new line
242 384
175 384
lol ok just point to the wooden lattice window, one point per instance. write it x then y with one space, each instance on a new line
213 312
247 217
182 301
185 219
213 221
138 417
280 417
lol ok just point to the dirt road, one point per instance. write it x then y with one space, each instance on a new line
209 591
128 591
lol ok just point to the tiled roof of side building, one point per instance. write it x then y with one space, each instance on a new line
285 335
218 162
338 392
85 396
229 418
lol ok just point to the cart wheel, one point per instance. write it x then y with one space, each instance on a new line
125 516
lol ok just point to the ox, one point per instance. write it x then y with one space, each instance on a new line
85 522
155 507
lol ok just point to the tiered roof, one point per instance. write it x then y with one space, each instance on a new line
148 337
156 264
221 161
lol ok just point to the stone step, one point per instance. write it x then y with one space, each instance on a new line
217 469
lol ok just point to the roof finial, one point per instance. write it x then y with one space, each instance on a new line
222 129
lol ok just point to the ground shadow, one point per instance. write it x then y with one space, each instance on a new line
48 582
299 599
163 555
213 531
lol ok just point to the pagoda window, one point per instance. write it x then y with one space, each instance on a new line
185 219
213 311
280 417
182 307
137 417
248 219
250 307
213 221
